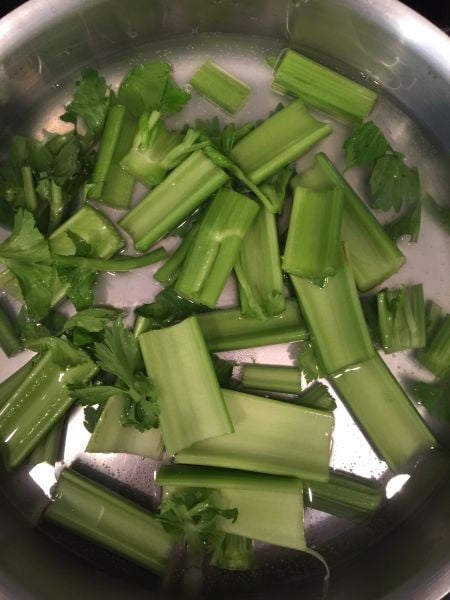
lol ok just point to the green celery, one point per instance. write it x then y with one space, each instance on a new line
282 138
316 396
258 269
31 202
10 385
226 329
181 192
313 241
211 258
117 265
436 356
49 447
321 87
271 378
234 554
56 209
335 318
433 316
220 87
168 273
191 403
344 495
374 256
401 318
270 508
106 518
381 408
9 341
275 189
269 437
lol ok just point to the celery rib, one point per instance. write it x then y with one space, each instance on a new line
436 356
9 341
168 273
220 87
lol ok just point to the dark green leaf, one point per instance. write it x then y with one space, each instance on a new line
365 146
94 394
393 183
224 371
63 352
406 224
370 310
308 363
169 308
91 416
92 319
81 285
435 397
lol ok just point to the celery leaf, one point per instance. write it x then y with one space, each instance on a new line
365 146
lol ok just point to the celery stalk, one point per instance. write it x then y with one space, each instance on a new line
94 512
316 396
269 437
380 406
191 403
271 378
181 192
49 447
258 269
118 265
10 385
321 87
227 330
220 87
31 202
211 258
313 241
9 341
168 273
235 554
436 356
282 138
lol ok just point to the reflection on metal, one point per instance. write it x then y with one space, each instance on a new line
396 484
43 476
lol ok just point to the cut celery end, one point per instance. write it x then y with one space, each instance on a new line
436 356
165 207
281 139
270 508
191 402
210 260
322 88
228 330
258 269
9 342
271 378
94 512
335 318
110 435
316 396
48 449
220 87
269 437
168 273
391 423
313 241
9 386
234 554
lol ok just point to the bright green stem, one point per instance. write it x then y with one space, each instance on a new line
275 188
343 495
112 265
335 318
168 273
316 396
321 87
10 285
401 317
389 420
313 241
191 403
10 385
269 437
9 342
258 269
36 405
235 554
278 141
220 87
228 330
56 206
272 378
436 356
165 207
31 201
94 512
211 259
47 451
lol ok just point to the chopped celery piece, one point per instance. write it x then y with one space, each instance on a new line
10 285
110 435
313 241
168 273
106 518
190 400
258 269
227 330
165 207
374 256
234 554
270 508
48 448
275 188
380 406
269 437
118 265
9 342
344 495
436 356
321 87
335 318
401 317
271 378
9 385
278 141
220 87
433 316
211 258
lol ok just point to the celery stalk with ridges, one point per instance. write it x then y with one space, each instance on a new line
168 273
220 87
9 341
436 356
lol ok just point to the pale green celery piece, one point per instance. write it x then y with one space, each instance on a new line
281 139
9 342
47 451
258 269
109 434
436 356
344 495
31 202
313 241
220 87
322 88
9 385
191 404
391 423
335 318
227 329
109 520
210 260
10 285
269 437
36 405
270 508
165 207
271 378
234 554
168 273
316 396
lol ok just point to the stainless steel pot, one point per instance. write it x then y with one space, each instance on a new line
43 46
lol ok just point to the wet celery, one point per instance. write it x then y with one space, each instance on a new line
9 341
220 87
436 356
47 451
168 273
271 378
